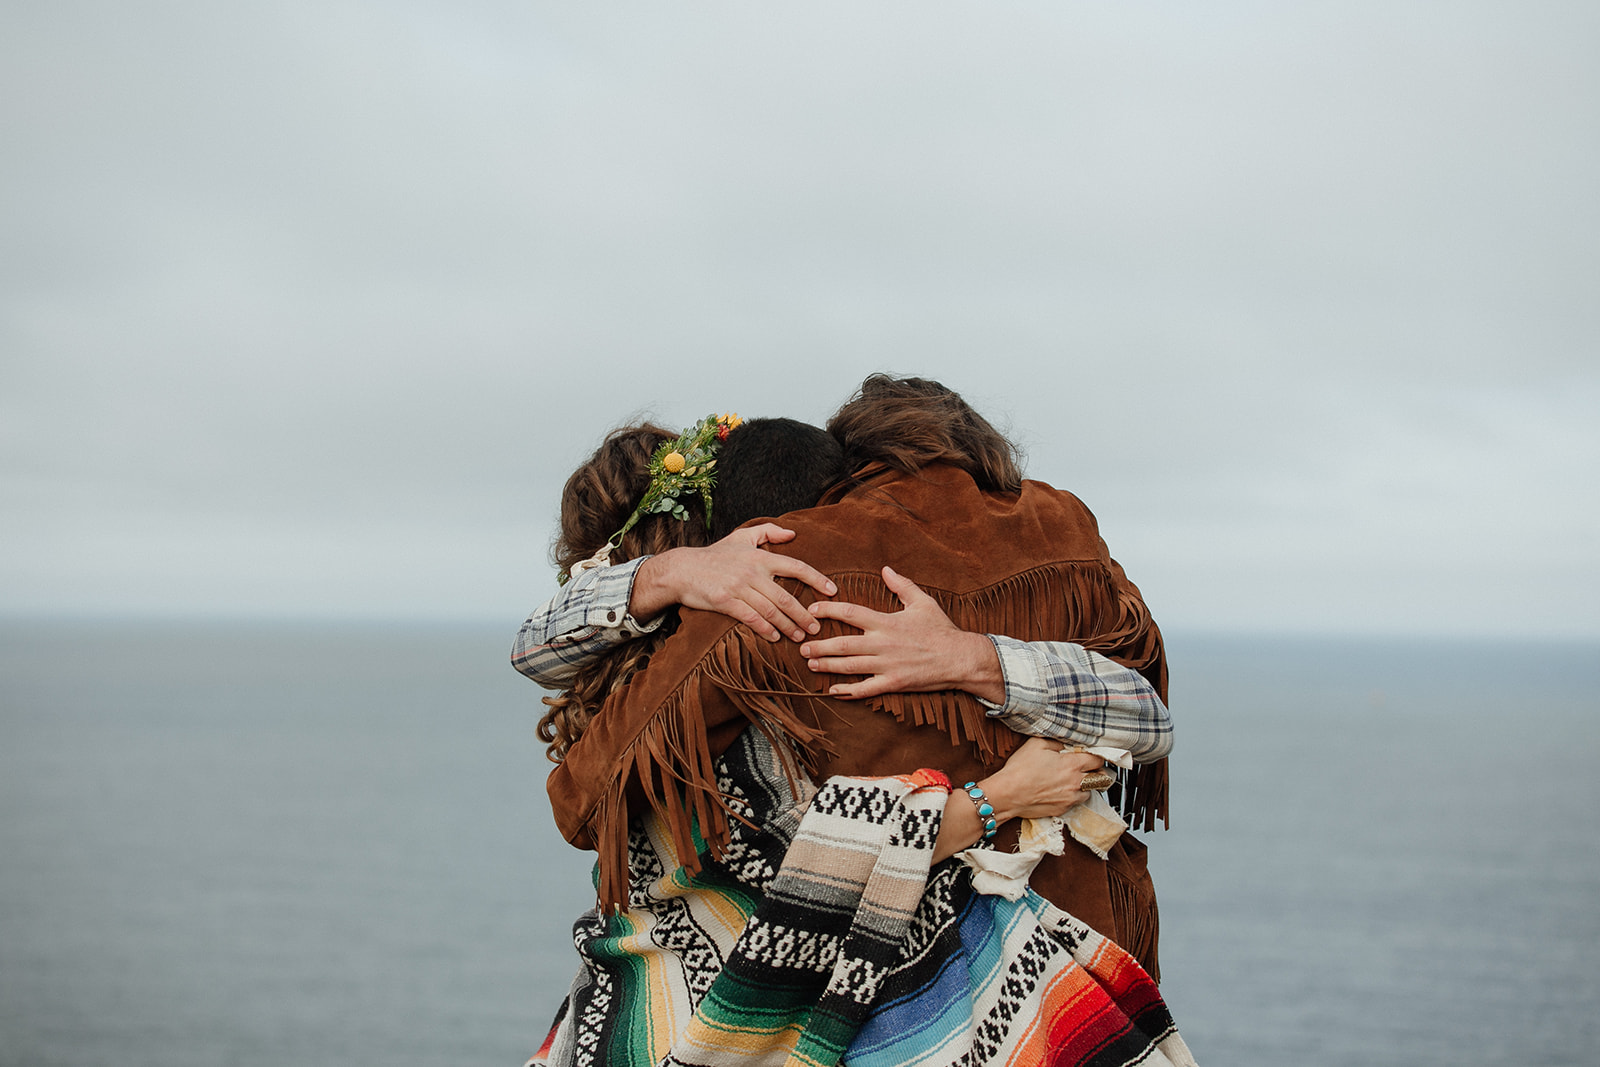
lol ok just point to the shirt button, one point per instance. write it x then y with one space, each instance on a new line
611 616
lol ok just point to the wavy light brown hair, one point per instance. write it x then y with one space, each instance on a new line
909 423
596 501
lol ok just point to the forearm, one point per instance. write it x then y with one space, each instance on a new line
652 593
1038 779
974 666
961 827
1062 690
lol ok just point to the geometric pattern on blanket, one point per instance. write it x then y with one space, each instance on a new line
819 938
985 980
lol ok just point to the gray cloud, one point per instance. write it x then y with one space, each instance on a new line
310 310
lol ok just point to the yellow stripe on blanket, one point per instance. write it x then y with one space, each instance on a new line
706 1042
661 1013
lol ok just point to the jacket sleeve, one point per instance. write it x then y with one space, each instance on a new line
1061 689
587 618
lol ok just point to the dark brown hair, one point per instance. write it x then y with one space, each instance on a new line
770 467
596 501
909 423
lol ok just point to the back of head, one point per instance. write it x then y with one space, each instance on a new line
908 423
597 500
603 492
772 466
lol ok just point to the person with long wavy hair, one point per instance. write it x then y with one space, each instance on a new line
662 562
669 561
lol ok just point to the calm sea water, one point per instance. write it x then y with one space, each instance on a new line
258 844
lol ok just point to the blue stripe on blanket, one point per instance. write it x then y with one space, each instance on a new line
918 1022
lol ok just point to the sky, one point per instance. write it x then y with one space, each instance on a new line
308 310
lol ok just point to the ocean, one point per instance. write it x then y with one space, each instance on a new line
264 844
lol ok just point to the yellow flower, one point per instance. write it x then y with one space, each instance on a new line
673 463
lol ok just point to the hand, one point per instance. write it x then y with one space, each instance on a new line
1040 779
915 650
735 577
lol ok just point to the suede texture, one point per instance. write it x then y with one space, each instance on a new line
1030 565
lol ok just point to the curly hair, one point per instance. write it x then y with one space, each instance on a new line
909 423
597 500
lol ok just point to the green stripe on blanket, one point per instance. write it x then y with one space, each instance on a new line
820 937
803 975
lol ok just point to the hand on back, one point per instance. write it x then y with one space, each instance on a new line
735 576
914 650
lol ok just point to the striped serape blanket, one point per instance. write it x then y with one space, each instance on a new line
823 937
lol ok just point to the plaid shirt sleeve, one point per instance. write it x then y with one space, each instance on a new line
584 620
1062 690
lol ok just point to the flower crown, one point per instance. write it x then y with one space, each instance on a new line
678 469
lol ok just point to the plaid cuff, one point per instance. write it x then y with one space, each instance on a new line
598 598
1062 690
585 620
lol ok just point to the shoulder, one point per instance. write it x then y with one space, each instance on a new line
1058 504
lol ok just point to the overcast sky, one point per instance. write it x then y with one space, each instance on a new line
309 309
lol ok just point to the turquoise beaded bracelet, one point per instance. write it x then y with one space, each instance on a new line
985 810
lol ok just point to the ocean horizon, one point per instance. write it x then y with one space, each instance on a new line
274 842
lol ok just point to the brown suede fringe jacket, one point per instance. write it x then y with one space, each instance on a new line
1030 566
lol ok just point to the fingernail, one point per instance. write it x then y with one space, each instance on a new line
815 628
805 651
832 589
798 636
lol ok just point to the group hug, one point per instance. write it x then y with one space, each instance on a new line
857 721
